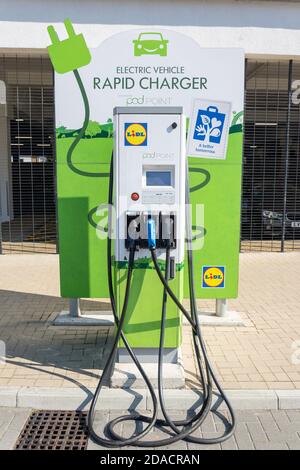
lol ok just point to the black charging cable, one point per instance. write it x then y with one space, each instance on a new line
199 346
207 376
112 441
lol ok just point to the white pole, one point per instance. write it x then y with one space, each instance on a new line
221 307
74 306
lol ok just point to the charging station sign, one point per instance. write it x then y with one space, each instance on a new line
208 131
145 67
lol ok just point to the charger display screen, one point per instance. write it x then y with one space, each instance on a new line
158 178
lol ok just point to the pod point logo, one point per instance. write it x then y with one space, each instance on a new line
135 134
213 276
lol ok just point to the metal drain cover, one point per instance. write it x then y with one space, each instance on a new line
54 430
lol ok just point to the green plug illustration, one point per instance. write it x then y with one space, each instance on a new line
69 54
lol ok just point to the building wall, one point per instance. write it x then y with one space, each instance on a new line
260 27
265 29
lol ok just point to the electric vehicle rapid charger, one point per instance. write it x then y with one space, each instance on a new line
152 243
149 185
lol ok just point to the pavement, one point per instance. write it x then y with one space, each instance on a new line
277 430
262 355
268 430
12 421
258 364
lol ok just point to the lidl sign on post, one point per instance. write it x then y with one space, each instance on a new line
213 276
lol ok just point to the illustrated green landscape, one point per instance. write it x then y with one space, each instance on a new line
93 155
94 129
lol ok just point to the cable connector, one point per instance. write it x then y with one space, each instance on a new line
151 234
71 53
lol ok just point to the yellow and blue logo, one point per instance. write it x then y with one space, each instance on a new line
135 133
213 276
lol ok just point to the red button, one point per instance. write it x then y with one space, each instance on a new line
135 196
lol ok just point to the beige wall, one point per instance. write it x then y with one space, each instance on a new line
265 28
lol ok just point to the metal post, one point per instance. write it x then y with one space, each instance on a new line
287 151
0 238
242 178
221 307
74 306
55 173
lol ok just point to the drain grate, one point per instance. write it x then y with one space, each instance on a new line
54 430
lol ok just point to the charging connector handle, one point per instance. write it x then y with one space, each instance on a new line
151 234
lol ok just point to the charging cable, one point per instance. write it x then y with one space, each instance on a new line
183 429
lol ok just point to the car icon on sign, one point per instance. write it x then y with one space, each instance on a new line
150 43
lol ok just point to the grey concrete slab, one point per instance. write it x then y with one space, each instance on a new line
253 399
8 396
79 398
268 423
53 398
258 435
293 415
87 318
240 399
100 421
242 437
281 418
127 375
6 417
14 419
293 444
251 433
72 398
230 444
272 446
231 318
288 399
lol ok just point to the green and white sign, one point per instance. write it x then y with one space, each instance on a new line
177 74
147 67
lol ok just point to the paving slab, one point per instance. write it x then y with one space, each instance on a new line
71 398
249 434
87 318
12 423
79 399
211 319
289 399
127 375
8 396
249 399
262 354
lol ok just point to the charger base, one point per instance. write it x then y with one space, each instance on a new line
148 355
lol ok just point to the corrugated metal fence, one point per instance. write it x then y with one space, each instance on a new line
271 159
270 218
28 222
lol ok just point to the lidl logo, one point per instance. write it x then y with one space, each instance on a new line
135 133
213 276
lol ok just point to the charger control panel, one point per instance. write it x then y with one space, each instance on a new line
149 179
